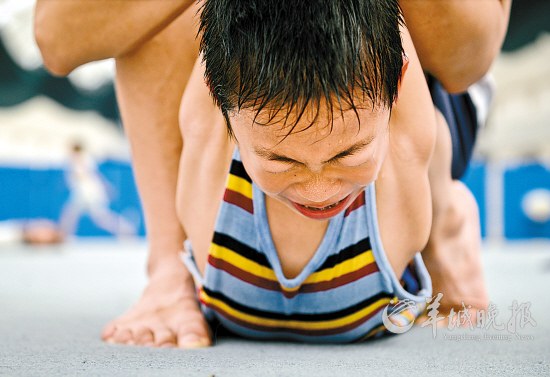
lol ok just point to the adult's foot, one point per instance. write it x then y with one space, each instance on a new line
453 254
166 315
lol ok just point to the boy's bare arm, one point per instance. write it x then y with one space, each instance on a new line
204 164
71 33
403 185
457 40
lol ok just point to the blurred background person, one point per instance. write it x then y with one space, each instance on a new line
40 115
90 194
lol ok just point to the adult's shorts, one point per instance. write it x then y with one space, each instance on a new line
464 113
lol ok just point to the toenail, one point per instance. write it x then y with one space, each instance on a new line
193 341
190 338
200 344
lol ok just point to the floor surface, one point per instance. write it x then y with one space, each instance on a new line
54 302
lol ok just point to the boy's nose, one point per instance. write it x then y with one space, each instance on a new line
319 190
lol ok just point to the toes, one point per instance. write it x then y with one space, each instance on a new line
157 336
163 337
108 331
194 334
144 336
118 328
122 336
192 340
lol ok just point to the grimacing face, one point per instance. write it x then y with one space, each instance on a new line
316 171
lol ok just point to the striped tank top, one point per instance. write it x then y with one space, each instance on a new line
339 296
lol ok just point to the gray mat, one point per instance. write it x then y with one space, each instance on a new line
54 302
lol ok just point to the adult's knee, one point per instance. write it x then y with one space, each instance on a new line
54 54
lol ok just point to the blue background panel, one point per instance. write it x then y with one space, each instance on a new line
518 181
33 193
41 193
474 178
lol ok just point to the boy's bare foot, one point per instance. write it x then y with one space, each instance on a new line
166 315
453 253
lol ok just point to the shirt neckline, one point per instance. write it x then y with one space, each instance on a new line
266 241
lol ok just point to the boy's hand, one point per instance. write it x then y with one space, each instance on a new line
167 314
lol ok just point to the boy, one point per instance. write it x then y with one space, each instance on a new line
328 198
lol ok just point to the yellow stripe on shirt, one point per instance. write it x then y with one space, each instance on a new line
240 185
293 324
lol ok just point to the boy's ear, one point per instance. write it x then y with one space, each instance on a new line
403 70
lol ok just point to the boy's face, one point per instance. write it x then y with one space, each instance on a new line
316 171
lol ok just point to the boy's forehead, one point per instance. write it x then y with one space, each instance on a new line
320 121
320 139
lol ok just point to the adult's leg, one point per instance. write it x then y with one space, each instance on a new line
150 82
457 41
71 33
453 252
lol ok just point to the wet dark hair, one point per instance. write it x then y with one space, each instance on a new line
287 55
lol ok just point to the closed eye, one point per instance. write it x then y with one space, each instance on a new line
350 152
283 159
341 156
354 149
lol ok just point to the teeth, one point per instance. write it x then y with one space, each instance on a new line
324 208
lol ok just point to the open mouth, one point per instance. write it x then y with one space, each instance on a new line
323 208
322 213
